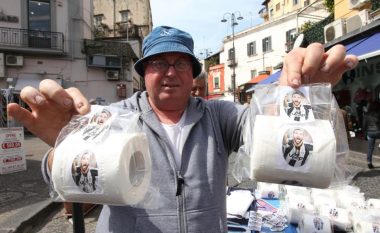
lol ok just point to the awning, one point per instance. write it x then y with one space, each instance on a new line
269 79
258 78
272 78
365 48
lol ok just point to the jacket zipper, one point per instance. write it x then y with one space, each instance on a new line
180 181
180 197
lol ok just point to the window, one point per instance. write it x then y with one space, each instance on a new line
290 36
271 12
231 54
39 15
251 48
277 6
253 73
306 2
124 16
216 83
295 2
267 44
98 20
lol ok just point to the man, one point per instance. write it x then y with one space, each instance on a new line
296 109
189 169
84 176
371 127
199 86
296 151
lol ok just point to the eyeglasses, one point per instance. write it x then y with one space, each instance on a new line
163 66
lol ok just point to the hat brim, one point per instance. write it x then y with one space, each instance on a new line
164 48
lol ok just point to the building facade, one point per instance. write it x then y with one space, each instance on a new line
55 39
357 26
261 48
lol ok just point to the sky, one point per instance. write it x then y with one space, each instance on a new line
202 19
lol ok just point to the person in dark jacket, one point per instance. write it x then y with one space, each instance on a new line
190 171
371 126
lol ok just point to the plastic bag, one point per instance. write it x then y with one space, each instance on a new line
293 136
102 158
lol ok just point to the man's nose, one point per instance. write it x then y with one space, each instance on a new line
171 70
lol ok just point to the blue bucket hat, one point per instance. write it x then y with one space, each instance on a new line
165 39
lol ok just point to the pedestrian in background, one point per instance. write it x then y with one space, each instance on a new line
199 85
371 126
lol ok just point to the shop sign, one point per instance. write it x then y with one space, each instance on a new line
8 18
12 153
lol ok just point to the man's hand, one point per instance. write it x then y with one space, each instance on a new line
312 65
51 109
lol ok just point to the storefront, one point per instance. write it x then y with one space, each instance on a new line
360 87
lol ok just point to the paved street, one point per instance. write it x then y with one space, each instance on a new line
25 205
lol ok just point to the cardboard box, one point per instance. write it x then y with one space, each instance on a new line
12 153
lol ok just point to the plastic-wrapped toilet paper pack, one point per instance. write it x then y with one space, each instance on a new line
238 202
292 137
354 201
338 216
313 223
267 190
275 159
373 203
296 207
105 161
358 215
367 227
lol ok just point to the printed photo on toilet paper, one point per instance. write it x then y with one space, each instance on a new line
91 126
296 104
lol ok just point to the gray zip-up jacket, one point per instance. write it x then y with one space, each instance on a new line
193 197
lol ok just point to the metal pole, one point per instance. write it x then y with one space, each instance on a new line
78 220
233 58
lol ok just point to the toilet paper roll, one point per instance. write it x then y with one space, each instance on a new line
295 210
269 163
119 169
268 191
296 190
367 227
373 203
338 216
313 223
324 201
347 202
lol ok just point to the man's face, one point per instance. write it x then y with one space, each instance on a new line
296 98
169 89
102 118
298 136
199 88
85 161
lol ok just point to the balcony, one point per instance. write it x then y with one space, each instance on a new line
24 40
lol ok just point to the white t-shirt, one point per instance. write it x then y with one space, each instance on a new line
175 133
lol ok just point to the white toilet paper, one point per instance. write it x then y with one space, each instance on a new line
373 203
119 168
295 210
268 163
347 202
337 216
313 223
238 202
268 191
367 227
